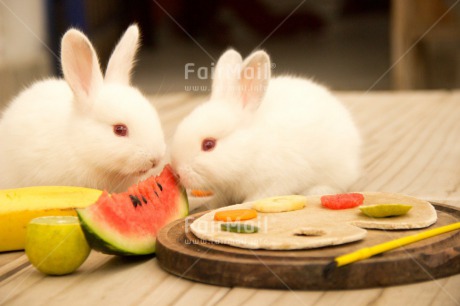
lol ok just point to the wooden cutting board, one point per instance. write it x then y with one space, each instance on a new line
183 254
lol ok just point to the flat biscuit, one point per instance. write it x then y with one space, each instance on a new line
292 230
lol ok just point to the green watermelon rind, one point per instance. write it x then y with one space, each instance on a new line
105 241
100 244
183 204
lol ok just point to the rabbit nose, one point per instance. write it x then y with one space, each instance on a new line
154 162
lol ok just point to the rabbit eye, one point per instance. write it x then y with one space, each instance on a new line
208 144
120 130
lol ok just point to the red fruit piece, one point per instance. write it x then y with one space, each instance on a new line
342 201
127 223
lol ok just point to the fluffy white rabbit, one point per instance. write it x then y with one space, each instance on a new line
259 136
85 130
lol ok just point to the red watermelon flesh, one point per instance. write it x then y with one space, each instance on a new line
342 201
127 223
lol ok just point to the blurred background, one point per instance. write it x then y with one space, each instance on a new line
356 45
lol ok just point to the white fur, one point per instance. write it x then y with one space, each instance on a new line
275 136
60 132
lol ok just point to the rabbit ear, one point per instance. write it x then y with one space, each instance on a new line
80 65
121 61
254 78
225 76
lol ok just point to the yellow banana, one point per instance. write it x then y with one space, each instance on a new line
19 206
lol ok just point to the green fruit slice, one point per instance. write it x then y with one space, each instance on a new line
385 210
242 228
56 245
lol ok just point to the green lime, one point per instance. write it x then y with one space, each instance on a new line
56 245
385 210
242 228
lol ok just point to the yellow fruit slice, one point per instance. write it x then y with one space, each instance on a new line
385 210
19 206
56 245
280 204
235 215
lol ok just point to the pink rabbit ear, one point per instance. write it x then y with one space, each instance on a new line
254 78
80 65
225 76
121 61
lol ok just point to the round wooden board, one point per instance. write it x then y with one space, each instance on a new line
181 253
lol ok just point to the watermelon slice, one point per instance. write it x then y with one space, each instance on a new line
127 223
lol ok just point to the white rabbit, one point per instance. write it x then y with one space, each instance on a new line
85 130
260 137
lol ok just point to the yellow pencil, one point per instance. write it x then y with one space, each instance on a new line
387 246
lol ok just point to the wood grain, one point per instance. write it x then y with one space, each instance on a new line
411 146
182 253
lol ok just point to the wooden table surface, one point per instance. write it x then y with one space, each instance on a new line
412 146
